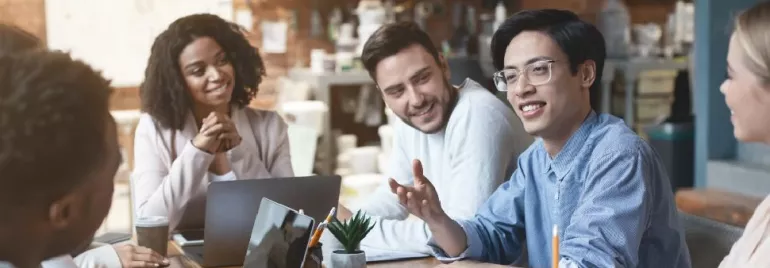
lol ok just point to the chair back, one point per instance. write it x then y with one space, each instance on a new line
709 241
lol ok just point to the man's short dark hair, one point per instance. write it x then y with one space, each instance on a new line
580 40
14 40
53 123
391 39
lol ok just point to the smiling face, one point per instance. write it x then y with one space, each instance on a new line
553 108
207 72
416 88
746 96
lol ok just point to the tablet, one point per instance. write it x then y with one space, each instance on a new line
279 238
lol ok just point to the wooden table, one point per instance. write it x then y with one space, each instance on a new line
178 260
727 207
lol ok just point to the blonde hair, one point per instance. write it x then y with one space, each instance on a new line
752 33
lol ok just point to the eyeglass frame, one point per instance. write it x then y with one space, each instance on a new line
499 75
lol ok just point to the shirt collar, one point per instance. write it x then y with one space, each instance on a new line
561 164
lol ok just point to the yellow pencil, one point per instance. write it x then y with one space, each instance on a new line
321 226
331 214
555 245
317 235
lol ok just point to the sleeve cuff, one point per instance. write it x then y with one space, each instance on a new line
567 263
472 251
190 148
200 158
104 256
229 176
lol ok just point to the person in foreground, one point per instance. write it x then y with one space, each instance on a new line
16 42
56 132
588 173
747 94
467 139
197 127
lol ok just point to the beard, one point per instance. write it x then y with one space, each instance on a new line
447 110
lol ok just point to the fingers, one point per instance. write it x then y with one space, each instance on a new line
214 130
142 264
419 177
393 185
146 254
417 168
399 190
235 141
218 117
402 195
233 137
413 204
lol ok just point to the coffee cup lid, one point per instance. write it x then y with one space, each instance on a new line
151 221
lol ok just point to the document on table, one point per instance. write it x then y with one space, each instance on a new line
379 255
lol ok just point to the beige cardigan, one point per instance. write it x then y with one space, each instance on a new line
752 250
176 188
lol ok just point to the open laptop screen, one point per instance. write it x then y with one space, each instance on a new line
279 238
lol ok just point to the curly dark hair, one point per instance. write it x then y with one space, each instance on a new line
163 92
53 112
14 40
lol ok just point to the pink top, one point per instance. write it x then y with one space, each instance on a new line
176 188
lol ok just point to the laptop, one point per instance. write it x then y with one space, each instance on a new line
231 207
279 238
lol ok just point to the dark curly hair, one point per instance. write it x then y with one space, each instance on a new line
14 40
163 92
53 112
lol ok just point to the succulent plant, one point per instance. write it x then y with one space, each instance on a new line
351 232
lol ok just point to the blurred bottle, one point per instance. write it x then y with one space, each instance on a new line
614 23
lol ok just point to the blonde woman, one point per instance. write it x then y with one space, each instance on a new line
747 93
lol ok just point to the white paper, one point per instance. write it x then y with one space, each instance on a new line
378 255
244 19
274 36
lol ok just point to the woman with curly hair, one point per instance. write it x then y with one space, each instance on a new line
197 127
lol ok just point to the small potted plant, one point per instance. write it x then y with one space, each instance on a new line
349 234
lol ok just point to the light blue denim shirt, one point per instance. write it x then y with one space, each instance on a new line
606 190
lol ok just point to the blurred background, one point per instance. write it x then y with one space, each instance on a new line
666 61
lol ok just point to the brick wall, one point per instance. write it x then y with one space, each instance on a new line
29 14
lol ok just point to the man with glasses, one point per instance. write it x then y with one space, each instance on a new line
463 138
588 174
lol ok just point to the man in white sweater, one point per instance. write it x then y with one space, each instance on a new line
465 139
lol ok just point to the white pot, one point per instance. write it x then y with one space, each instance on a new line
339 259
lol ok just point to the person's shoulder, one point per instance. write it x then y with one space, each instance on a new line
64 261
263 118
611 136
533 152
474 97
146 124
476 103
